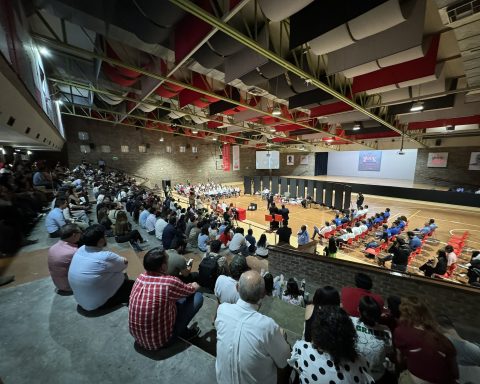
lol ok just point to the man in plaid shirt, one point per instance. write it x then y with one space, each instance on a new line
161 306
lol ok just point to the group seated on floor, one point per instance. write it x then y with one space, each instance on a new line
348 334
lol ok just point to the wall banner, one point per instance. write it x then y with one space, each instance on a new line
236 157
226 157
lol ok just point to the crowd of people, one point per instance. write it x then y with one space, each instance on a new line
349 336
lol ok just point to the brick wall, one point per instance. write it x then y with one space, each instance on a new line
456 172
461 303
156 164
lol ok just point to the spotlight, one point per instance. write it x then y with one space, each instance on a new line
29 152
194 132
272 130
45 52
214 138
277 111
356 127
161 139
417 106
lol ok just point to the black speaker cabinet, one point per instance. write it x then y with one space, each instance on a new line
166 183
252 207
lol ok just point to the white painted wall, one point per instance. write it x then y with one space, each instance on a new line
393 166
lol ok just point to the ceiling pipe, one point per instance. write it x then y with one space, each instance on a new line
84 53
208 18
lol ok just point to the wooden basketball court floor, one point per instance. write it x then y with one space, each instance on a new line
451 220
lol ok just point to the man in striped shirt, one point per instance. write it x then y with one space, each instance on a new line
161 306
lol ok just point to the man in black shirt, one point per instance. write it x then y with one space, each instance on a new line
284 234
360 200
399 254
284 212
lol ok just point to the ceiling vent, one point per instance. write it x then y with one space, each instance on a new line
257 91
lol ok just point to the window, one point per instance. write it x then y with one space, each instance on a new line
183 148
83 135
169 149
142 148
85 148
124 148
194 149
105 148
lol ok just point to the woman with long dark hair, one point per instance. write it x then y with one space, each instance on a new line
123 231
293 295
331 249
327 295
374 340
262 246
427 355
331 356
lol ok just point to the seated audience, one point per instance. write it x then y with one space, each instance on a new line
250 346
414 241
161 306
55 220
96 275
302 236
468 353
160 225
142 218
252 241
226 286
151 221
60 256
427 354
203 239
451 255
238 244
351 295
399 253
374 340
391 316
331 249
327 295
123 232
439 268
473 272
331 356
292 294
262 246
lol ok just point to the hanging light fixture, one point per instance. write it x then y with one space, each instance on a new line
161 139
417 106
195 132
277 111
356 126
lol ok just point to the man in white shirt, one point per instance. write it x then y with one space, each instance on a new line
150 222
238 244
363 226
226 286
159 227
356 229
250 346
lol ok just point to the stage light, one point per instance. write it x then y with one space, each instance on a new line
214 138
45 52
356 127
277 111
29 152
272 130
161 139
417 106
194 132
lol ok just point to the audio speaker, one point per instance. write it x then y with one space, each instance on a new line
166 183
92 145
252 207
438 142
147 145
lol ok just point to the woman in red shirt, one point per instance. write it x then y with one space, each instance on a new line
226 235
429 357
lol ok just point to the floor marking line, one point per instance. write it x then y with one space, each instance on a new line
409 217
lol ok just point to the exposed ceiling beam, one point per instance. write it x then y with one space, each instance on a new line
73 49
230 31
177 66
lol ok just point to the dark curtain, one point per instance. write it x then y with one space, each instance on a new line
321 163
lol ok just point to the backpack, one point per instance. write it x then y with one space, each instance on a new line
208 272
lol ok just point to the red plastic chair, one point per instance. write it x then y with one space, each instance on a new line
269 218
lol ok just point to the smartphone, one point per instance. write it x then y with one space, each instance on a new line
189 263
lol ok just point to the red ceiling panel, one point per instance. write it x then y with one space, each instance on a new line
330 109
444 122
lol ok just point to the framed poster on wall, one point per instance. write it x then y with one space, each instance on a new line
290 159
437 160
474 163
304 160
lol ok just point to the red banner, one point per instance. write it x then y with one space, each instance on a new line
226 157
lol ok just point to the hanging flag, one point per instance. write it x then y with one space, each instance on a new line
236 157
226 157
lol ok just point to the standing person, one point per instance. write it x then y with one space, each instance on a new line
161 306
60 256
269 200
331 356
250 346
284 234
285 213
360 200
427 354
302 235
96 275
